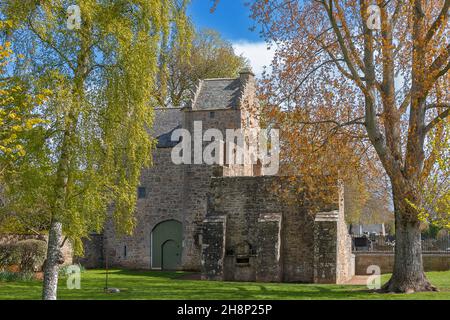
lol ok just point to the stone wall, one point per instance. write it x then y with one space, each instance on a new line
93 252
325 247
345 259
431 261
333 258
163 201
197 180
213 248
273 238
268 256
256 217
177 192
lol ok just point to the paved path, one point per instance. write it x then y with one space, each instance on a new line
358 280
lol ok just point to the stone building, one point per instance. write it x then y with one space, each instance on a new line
222 219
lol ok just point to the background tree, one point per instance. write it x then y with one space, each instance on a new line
102 75
16 106
386 87
210 57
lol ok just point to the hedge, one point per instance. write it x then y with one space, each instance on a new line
29 255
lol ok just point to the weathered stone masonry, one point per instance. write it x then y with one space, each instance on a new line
231 223
268 239
178 192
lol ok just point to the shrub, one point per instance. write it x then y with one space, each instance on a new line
7 276
8 255
31 255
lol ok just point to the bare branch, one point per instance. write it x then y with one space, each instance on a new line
444 71
405 103
344 49
435 121
441 18
50 44
439 62
438 106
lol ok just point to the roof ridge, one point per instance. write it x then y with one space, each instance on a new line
168 108
218 79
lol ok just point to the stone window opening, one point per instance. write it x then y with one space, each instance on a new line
124 251
245 260
142 193
225 155
212 114
198 239
243 252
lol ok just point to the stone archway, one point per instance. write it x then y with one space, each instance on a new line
166 245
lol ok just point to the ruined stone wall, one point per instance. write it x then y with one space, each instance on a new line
345 259
248 203
333 259
325 247
213 248
198 179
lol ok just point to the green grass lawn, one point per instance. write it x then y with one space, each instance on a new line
168 285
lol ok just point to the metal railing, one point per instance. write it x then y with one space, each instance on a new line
377 243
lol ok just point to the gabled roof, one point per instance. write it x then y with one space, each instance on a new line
165 140
217 94
165 122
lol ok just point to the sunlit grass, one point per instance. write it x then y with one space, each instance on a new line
171 285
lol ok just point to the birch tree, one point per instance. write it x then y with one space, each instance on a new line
101 60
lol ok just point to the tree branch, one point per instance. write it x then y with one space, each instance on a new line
435 121
51 45
344 49
438 22
439 62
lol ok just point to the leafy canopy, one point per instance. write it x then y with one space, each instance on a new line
89 157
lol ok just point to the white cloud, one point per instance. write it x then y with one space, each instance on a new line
257 53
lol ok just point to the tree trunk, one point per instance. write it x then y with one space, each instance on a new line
408 275
51 266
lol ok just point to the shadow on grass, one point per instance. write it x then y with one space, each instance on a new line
146 273
150 285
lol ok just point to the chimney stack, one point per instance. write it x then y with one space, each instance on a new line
246 75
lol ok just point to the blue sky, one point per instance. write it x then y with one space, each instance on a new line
231 19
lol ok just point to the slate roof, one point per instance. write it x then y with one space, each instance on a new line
165 140
217 94
165 122
212 94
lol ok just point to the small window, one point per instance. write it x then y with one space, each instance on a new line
242 260
124 251
212 114
142 193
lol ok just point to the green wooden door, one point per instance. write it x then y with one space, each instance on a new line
170 255
166 245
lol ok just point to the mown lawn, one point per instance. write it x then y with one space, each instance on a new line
171 285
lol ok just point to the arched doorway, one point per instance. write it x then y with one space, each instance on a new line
166 245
